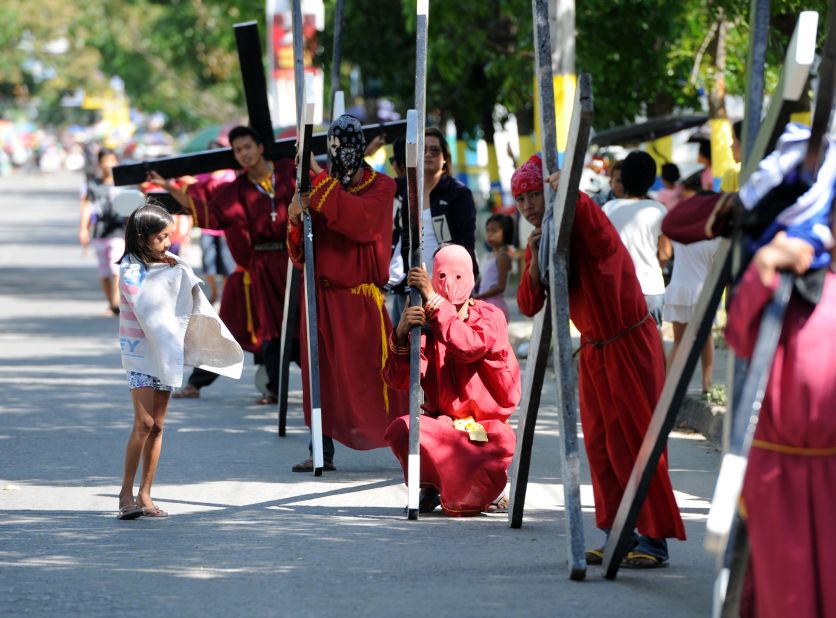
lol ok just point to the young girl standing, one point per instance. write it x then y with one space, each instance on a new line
162 326
499 233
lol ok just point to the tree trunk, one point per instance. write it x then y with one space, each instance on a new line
717 95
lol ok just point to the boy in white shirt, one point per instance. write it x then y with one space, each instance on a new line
638 220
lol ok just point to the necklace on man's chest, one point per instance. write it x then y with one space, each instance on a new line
267 186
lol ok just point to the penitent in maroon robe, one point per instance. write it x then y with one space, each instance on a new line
468 369
620 381
789 487
236 298
352 230
244 212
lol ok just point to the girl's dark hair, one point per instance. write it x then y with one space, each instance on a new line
445 147
506 223
145 221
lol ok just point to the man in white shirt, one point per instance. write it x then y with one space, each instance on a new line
638 220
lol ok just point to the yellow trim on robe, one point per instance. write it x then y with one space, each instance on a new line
363 185
786 449
320 185
372 291
321 199
193 208
249 307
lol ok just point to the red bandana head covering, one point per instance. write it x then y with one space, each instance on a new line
529 177
453 274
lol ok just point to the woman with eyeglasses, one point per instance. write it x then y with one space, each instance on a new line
449 212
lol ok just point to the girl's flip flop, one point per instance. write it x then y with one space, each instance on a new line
130 511
154 511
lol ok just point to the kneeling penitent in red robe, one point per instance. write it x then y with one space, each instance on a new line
471 383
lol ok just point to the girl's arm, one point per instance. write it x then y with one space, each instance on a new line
503 267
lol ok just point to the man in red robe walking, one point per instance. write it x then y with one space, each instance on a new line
471 383
622 366
252 211
351 215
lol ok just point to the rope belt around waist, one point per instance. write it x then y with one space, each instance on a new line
786 449
270 246
325 284
623 333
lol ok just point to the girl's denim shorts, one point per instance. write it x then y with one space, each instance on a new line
142 380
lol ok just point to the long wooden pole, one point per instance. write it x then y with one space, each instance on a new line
305 105
415 197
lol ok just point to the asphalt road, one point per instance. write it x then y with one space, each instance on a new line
246 536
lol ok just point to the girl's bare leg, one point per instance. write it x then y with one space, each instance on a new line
678 330
707 362
143 400
151 451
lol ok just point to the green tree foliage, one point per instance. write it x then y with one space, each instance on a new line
644 55
175 56
178 56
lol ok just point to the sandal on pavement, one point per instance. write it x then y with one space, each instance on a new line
307 465
641 560
595 556
153 511
129 511
187 392
267 400
500 505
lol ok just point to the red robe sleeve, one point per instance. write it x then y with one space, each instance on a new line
464 341
701 217
206 201
530 296
295 244
358 217
747 306
396 369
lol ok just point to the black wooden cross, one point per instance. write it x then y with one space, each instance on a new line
255 91
693 340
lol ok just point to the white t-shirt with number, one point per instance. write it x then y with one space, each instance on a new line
639 223
429 242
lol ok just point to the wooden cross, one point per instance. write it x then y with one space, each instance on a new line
258 109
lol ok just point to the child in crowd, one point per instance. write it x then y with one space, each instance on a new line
671 193
499 232
165 322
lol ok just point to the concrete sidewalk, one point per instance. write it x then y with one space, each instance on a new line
247 537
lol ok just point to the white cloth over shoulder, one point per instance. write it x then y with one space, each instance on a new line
166 322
